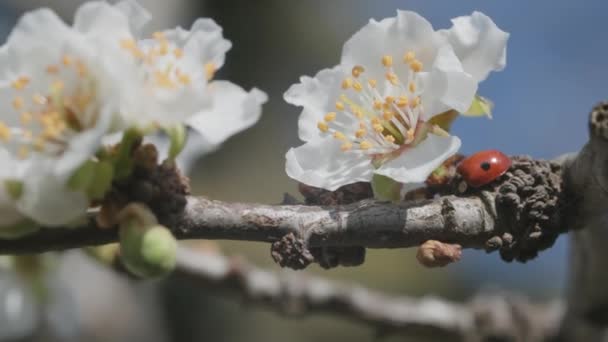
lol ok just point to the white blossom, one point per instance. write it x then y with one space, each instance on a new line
371 113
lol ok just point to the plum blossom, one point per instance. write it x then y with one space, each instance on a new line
181 64
372 113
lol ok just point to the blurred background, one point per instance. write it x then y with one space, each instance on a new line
556 71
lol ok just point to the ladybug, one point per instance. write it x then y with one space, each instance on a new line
483 167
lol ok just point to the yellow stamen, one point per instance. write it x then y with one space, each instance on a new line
339 105
57 86
21 82
128 44
5 132
210 69
159 36
178 53
184 79
377 104
388 115
52 69
387 61
378 128
403 101
323 127
39 99
391 77
358 113
409 57
357 86
416 65
339 136
329 117
416 102
66 60
365 145
410 136
347 146
372 83
360 133
412 87
389 138
18 102
389 100
347 83
357 71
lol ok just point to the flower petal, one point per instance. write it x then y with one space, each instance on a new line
37 26
138 16
318 95
100 19
415 165
82 146
204 41
46 199
446 86
233 110
322 164
479 44
408 31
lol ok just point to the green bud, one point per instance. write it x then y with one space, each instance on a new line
123 161
147 251
82 177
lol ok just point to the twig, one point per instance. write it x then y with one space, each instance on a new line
296 294
369 223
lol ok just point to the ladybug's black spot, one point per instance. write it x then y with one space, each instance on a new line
485 166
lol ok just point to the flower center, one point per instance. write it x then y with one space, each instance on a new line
50 111
386 122
161 60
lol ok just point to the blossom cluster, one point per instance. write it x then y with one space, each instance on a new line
69 90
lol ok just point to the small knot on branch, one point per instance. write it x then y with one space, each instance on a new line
347 194
598 121
433 253
291 252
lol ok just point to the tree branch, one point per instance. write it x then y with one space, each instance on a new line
373 224
296 294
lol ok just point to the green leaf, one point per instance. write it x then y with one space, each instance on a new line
386 189
480 107
177 136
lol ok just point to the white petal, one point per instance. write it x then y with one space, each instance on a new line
322 164
318 95
82 146
36 26
415 165
204 41
479 44
408 31
138 16
45 198
100 19
446 86
233 110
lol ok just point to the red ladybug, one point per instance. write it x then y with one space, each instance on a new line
483 167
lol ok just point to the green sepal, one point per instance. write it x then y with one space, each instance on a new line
386 189
18 230
13 188
123 161
177 137
82 177
444 120
101 181
147 251
481 106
